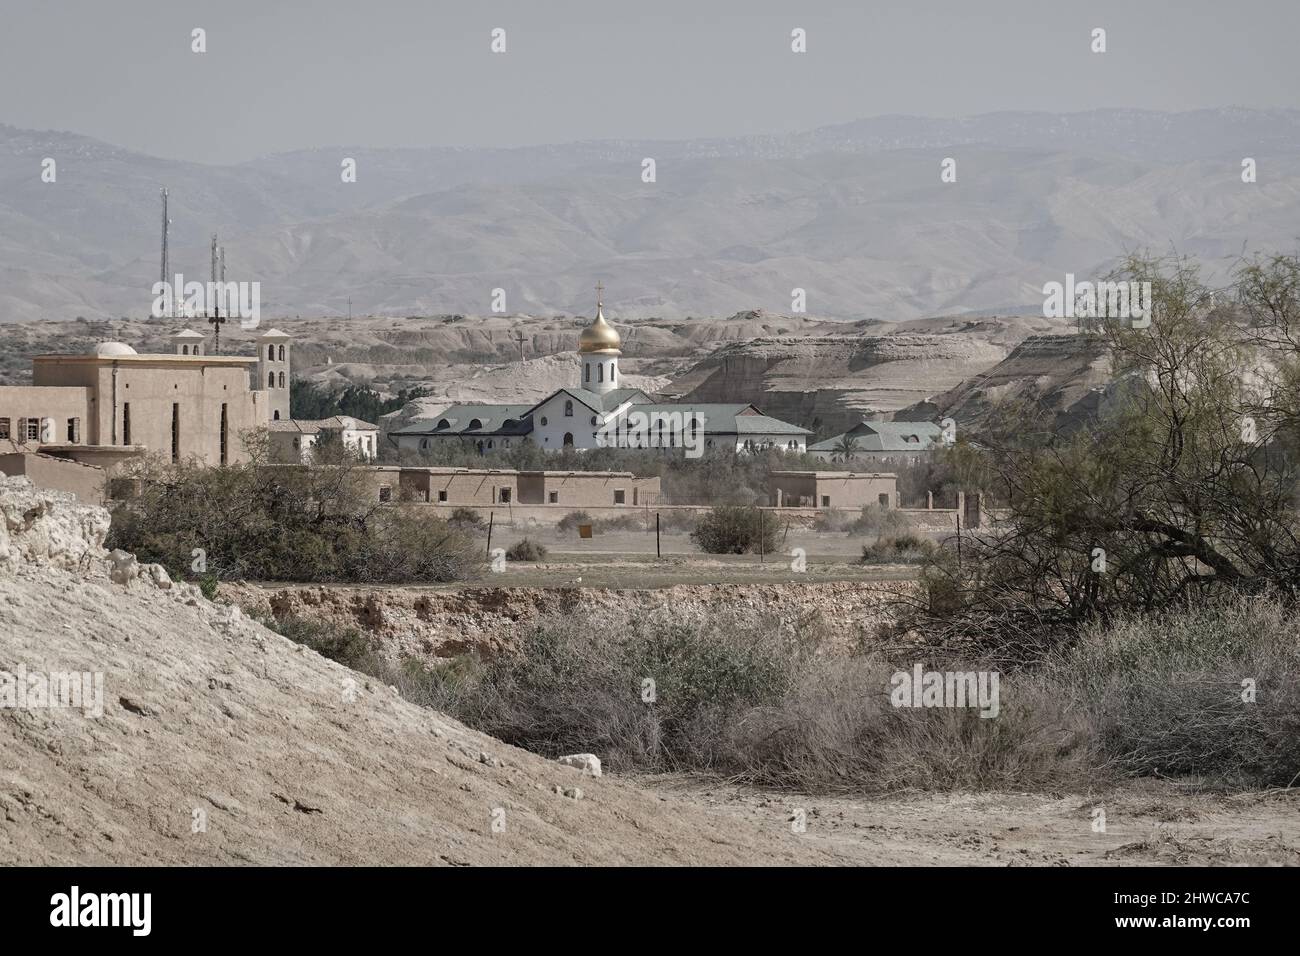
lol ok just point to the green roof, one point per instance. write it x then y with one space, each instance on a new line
727 419
886 436
491 419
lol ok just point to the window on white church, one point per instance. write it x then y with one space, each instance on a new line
586 372
600 372
611 371
568 409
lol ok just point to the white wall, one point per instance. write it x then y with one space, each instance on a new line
551 435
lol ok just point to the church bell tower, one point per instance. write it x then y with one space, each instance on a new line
599 347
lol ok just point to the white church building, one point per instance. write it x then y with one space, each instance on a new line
599 412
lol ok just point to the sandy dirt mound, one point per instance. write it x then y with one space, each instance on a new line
211 723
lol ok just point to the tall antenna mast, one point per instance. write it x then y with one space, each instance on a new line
166 266
215 319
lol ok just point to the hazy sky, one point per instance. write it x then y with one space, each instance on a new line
286 74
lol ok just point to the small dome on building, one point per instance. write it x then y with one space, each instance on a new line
111 349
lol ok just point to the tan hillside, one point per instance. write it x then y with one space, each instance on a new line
291 758
830 382
1066 375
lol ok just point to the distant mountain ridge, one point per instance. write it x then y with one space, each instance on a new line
854 214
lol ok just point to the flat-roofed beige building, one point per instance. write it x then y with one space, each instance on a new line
832 489
115 405
504 486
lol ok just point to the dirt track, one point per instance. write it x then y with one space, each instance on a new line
1150 823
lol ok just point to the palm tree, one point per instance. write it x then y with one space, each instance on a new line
846 447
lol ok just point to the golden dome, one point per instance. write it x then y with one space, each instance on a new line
600 336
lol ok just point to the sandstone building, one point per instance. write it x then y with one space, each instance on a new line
114 405
832 489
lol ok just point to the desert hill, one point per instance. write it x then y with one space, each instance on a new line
830 382
1065 375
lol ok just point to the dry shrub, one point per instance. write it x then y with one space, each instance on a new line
526 549
760 698
1165 695
838 731
905 548
735 530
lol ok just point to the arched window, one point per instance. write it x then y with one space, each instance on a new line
586 371
568 409
568 439
543 421
600 372
185 350
281 353
611 371
489 444
282 380
270 353
442 423
277 417
270 380
475 424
